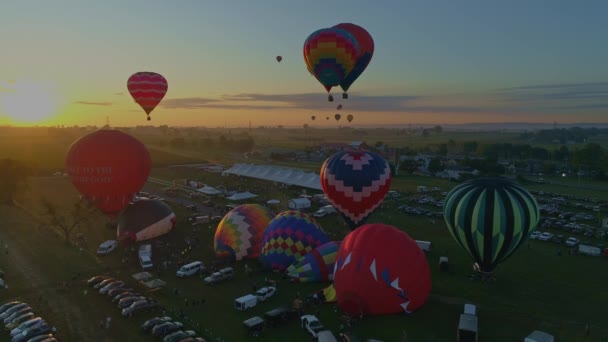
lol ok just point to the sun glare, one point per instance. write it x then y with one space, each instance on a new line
28 101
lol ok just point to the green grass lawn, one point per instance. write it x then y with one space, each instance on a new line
536 288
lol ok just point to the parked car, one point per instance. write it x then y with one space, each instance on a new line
534 235
122 295
48 337
179 335
8 305
17 313
118 290
12 310
166 328
96 280
279 315
265 293
311 324
113 285
27 325
127 301
107 247
140 305
546 236
152 322
17 321
571 242
32 332
103 283
220 275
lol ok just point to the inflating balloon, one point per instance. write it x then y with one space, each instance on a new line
337 117
380 270
355 182
279 59
490 218
239 234
288 237
145 219
330 54
350 118
147 89
366 51
316 266
108 167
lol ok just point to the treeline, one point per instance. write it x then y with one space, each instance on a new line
241 145
564 135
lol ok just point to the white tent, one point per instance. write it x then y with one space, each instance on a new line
277 174
241 196
273 201
539 336
208 190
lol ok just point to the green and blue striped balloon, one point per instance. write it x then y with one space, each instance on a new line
490 218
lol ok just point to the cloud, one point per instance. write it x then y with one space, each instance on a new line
91 103
188 103
554 93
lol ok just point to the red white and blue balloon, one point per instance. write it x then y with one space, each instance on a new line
355 182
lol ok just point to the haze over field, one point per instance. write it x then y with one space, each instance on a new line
67 62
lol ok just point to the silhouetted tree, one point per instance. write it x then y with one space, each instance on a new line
66 221
14 176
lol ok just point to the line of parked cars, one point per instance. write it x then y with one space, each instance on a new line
24 326
126 298
170 330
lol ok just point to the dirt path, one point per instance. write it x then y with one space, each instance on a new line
49 296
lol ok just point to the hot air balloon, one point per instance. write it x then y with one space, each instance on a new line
145 219
339 107
289 236
366 51
337 117
355 182
490 218
316 266
380 270
330 54
239 233
279 59
350 117
313 118
108 167
147 89
327 118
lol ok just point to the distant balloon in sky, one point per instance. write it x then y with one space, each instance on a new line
339 107
313 118
327 118
279 59
366 51
147 89
330 54
337 116
350 117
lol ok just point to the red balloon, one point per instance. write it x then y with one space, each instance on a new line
147 89
380 270
108 167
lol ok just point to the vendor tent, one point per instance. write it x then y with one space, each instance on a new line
273 201
208 190
142 276
277 174
241 196
154 284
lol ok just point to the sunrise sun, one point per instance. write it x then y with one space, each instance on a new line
28 101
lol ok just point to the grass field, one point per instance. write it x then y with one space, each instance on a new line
536 288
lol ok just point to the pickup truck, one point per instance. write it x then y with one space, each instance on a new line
312 324
324 211
265 293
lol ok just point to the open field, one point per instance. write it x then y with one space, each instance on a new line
528 295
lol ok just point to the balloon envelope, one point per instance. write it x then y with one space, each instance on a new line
239 233
108 167
147 89
350 118
289 236
313 117
366 46
279 59
337 117
316 266
490 218
355 182
330 54
380 270
145 219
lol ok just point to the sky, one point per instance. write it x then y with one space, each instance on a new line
67 62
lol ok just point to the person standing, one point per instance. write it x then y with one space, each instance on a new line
108 321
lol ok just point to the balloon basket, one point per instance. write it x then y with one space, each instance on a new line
345 96
149 118
330 98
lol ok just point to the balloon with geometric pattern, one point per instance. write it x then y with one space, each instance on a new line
380 270
239 233
147 89
490 218
316 266
289 236
355 182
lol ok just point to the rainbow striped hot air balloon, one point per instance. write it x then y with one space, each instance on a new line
239 234
330 54
316 266
289 236
490 218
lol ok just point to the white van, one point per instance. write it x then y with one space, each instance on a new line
245 302
107 247
190 269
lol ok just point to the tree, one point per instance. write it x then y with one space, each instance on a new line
14 177
67 221
435 166
438 129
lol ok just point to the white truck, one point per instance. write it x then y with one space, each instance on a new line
245 302
589 250
265 293
145 256
312 324
324 211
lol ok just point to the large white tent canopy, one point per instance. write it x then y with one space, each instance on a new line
241 196
277 174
